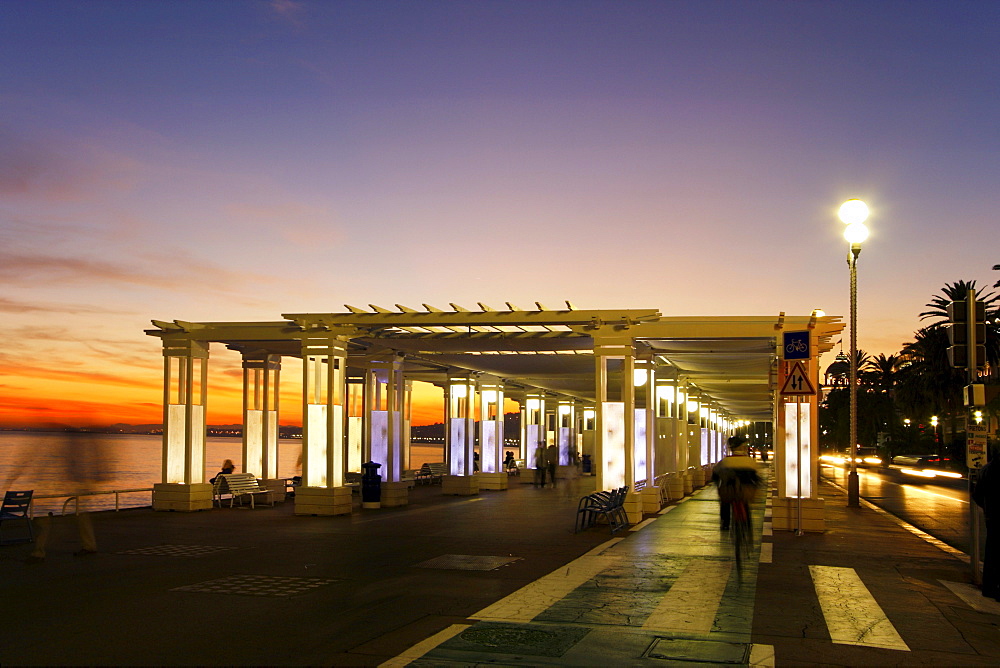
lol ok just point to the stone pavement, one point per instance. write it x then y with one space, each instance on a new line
496 579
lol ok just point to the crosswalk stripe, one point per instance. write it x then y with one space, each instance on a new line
766 552
691 604
536 597
424 646
767 529
852 615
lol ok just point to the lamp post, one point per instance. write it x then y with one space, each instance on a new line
853 213
937 442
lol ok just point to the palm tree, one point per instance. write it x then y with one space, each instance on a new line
928 384
957 291
880 376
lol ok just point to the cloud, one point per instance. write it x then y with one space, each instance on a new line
60 169
15 369
159 270
288 10
17 306
304 225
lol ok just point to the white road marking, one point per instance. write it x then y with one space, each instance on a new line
761 656
643 524
603 546
972 595
536 597
852 615
767 529
691 604
766 552
666 510
425 646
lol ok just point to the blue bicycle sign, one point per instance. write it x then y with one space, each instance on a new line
795 345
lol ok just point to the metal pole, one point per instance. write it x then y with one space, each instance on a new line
798 464
852 479
971 358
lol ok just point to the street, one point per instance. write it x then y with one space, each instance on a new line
938 506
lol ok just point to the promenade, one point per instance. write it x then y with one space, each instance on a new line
498 578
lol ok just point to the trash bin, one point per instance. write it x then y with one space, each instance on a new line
371 485
586 465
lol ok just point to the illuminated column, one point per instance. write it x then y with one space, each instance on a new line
407 421
261 374
533 425
355 426
615 393
460 436
665 443
565 428
642 458
492 474
183 486
795 431
588 435
385 399
324 366
385 395
684 435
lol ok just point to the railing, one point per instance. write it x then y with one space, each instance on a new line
75 497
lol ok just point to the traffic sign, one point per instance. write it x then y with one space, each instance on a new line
797 382
975 449
796 345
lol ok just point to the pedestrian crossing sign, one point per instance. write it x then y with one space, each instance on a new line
797 382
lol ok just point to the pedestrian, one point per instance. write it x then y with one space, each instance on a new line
552 461
539 463
986 494
736 479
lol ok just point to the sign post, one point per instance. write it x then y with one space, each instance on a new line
798 385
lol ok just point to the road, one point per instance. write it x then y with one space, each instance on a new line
940 506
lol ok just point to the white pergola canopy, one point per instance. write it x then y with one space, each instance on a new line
731 360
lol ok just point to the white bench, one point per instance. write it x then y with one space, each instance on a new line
238 485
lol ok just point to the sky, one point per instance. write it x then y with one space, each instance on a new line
236 160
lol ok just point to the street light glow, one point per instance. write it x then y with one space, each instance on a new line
856 232
853 211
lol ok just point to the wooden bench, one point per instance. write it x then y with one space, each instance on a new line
239 485
431 472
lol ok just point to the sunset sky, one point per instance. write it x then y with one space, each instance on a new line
237 160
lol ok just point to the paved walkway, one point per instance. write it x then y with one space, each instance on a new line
498 578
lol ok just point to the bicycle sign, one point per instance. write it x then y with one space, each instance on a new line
796 345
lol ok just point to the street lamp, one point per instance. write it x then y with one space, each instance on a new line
937 442
853 213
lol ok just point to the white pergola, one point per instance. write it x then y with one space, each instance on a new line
576 373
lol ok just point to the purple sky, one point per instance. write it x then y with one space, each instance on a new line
236 160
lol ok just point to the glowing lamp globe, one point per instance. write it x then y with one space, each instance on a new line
855 233
853 211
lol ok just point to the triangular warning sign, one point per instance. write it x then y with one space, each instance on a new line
797 381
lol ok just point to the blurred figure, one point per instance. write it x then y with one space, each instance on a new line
227 467
539 464
737 480
986 494
552 461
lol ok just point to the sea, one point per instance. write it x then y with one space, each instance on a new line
78 464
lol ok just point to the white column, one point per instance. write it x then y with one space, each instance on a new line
385 395
261 374
491 424
616 423
185 375
565 432
355 422
185 369
533 422
460 425
324 363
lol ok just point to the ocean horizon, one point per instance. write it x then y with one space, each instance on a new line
71 463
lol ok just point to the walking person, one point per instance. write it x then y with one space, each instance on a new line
736 479
539 464
552 461
986 494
